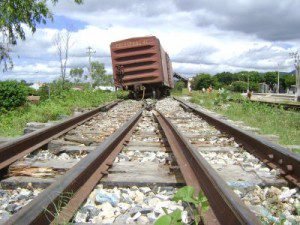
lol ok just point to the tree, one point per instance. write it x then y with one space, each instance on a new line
98 73
203 80
239 86
179 85
271 78
287 80
15 14
76 74
107 80
225 78
62 43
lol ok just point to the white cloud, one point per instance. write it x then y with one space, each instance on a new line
200 36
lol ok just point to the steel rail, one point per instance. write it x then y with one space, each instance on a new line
13 150
227 207
272 154
285 106
77 182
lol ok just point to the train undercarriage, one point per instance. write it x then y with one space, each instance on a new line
148 91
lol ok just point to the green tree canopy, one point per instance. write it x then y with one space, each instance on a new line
288 80
270 78
239 86
76 74
225 78
14 14
99 76
203 80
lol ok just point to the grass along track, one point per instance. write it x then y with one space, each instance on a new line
12 123
122 194
270 120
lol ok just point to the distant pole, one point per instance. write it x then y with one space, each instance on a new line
278 74
89 53
49 95
248 84
296 57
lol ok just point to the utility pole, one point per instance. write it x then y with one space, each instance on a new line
89 53
278 74
248 84
296 57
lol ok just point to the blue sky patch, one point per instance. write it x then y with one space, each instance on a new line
61 22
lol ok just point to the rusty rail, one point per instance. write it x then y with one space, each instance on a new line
71 189
227 208
272 154
19 147
285 105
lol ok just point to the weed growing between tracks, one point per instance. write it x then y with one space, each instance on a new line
270 120
63 200
186 195
13 122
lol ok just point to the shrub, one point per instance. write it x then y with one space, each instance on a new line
12 94
239 86
179 85
254 87
203 81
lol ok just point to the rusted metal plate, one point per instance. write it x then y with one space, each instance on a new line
269 152
77 183
19 147
227 207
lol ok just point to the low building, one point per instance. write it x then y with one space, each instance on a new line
36 86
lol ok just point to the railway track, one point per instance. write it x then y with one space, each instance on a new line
284 105
54 151
133 172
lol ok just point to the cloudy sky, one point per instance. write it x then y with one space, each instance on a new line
199 35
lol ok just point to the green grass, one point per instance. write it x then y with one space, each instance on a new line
13 123
184 91
270 120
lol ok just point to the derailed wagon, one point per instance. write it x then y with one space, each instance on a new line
141 66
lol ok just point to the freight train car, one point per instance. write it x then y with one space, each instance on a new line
141 66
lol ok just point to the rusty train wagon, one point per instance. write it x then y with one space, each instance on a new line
141 66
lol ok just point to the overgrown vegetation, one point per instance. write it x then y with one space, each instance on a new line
179 85
12 95
270 120
238 81
187 196
61 103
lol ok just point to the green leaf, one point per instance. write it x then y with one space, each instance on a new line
196 216
163 220
201 197
176 216
204 206
165 210
185 194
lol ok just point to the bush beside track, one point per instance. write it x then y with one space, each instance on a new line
13 122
